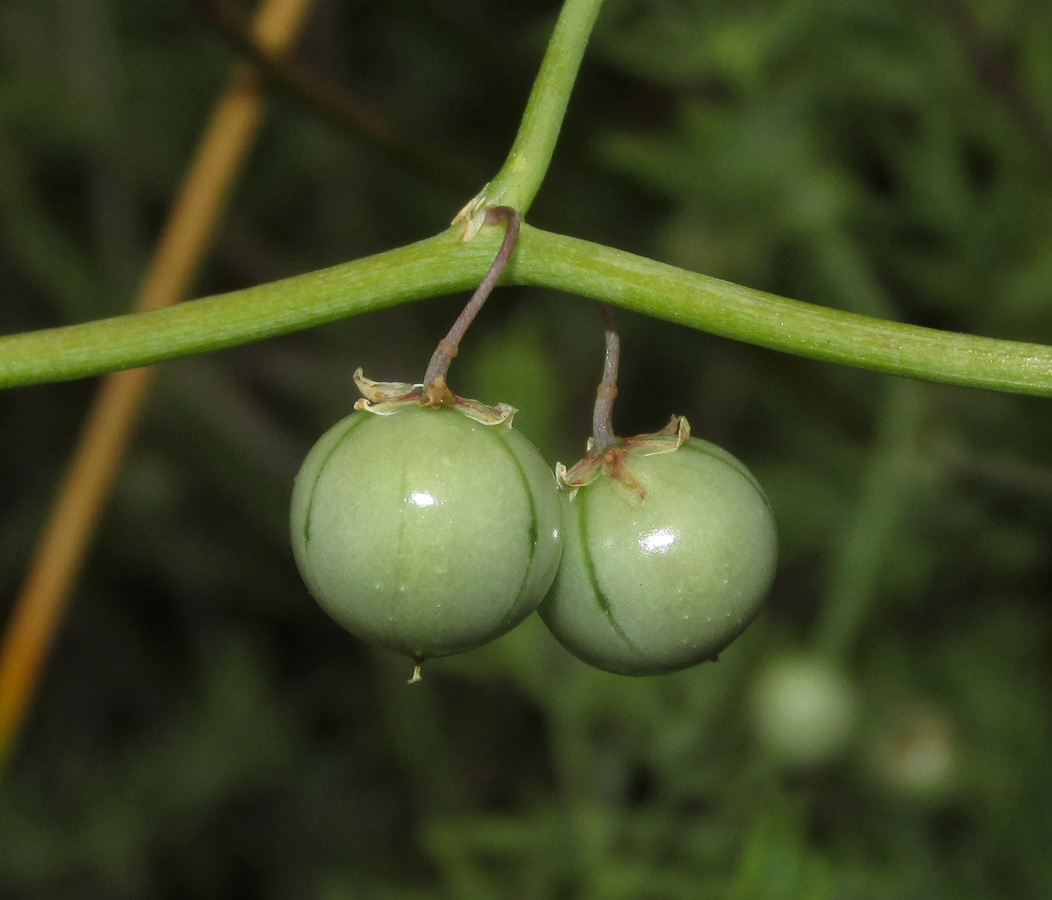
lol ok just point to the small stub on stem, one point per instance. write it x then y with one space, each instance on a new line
473 215
417 675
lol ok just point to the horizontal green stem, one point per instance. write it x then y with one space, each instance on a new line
442 264
436 265
756 317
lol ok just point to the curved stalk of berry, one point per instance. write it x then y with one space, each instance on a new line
435 377
602 427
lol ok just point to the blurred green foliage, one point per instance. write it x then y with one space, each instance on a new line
204 730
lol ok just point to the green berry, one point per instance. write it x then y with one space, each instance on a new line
424 530
805 709
915 755
668 556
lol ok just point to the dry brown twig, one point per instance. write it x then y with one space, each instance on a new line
111 421
334 102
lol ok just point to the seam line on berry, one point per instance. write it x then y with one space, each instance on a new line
602 601
314 487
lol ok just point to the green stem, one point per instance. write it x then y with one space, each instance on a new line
519 179
443 264
430 267
756 317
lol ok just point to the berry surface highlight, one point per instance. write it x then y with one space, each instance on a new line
424 530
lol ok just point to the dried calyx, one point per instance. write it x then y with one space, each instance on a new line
384 398
613 460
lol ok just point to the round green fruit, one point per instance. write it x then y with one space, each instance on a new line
424 530
915 755
663 568
805 709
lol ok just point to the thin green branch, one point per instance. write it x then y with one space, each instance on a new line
440 264
519 179
443 264
756 317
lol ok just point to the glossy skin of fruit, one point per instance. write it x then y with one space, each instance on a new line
425 531
654 584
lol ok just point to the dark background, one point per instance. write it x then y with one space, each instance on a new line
203 730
